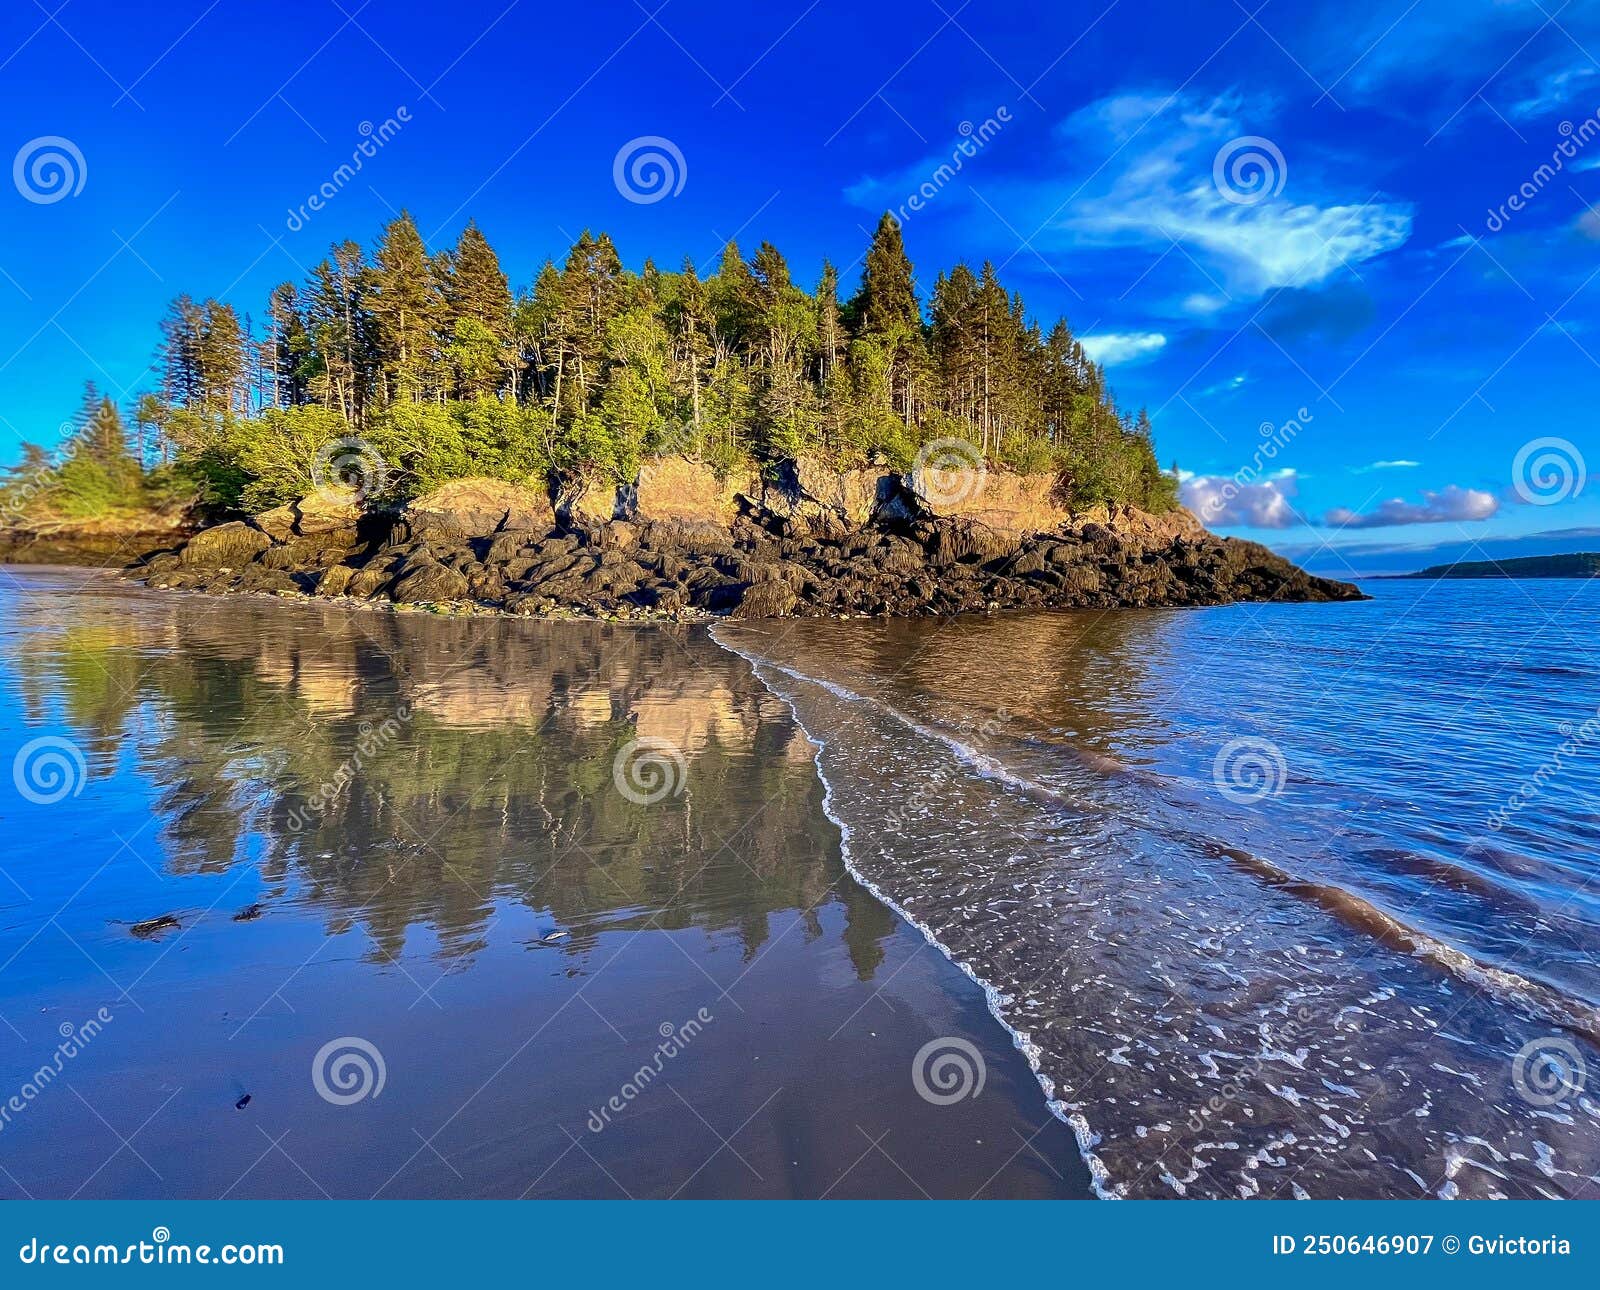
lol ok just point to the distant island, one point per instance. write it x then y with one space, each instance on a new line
1578 564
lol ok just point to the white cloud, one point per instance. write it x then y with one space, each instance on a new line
1225 387
1121 347
1227 502
1157 188
1554 92
1398 464
1450 504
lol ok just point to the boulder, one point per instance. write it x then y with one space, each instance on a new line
758 600
335 580
802 496
258 577
662 597
967 541
326 511
277 524
468 508
368 581
426 581
230 545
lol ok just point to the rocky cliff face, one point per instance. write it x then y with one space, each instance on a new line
796 542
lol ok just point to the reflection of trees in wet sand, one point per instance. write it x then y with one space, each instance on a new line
394 771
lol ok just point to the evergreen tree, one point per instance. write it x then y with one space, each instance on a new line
100 473
886 304
595 367
477 312
403 301
885 312
690 322
340 364
221 360
290 348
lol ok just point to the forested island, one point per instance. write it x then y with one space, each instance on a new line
1579 564
433 361
403 426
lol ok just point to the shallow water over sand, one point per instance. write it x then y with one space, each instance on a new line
399 843
1283 899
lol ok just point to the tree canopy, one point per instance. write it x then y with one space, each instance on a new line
435 361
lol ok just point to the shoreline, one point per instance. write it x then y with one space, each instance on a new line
994 998
1085 899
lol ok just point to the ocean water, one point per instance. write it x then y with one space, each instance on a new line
1279 900
1266 900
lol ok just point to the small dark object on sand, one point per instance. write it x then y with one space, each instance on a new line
154 926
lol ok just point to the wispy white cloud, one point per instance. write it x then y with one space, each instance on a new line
1449 504
1160 179
1554 92
1452 46
1203 304
1225 387
1123 347
1399 464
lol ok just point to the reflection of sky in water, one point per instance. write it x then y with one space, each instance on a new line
468 760
407 829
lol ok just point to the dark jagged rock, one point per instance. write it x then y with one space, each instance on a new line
799 556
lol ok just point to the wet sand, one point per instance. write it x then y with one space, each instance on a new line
450 841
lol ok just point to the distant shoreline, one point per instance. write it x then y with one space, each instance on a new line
1576 565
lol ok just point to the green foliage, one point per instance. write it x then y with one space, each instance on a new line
284 453
499 438
425 444
432 361
93 475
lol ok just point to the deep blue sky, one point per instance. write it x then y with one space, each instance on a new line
1370 289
